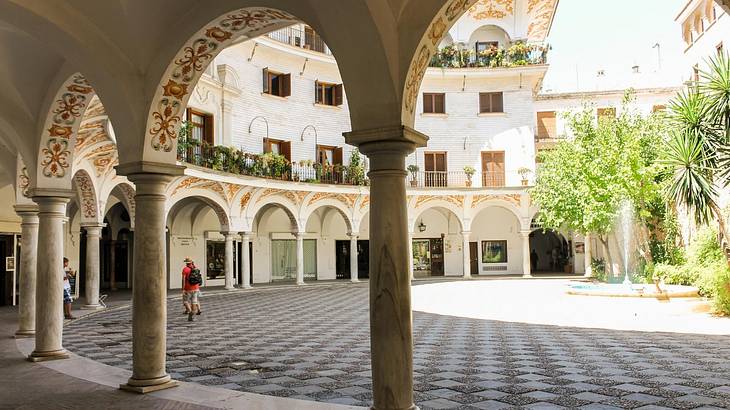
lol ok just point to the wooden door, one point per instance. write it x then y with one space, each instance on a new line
437 257
435 167
474 258
493 169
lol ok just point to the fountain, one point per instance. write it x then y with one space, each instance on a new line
627 288
627 220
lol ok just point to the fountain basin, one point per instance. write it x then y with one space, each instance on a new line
632 291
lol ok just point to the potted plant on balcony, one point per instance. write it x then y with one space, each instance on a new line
469 171
413 169
524 172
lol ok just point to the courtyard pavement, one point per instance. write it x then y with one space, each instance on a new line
312 343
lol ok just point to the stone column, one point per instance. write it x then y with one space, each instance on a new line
149 304
245 262
588 256
49 289
353 259
465 251
27 266
391 325
526 266
300 258
93 236
410 254
228 260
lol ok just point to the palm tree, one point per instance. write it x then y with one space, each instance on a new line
698 152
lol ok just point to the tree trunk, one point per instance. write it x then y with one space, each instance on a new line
608 263
622 261
645 248
723 232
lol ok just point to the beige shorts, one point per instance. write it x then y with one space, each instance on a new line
191 297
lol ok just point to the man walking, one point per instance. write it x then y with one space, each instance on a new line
191 281
67 300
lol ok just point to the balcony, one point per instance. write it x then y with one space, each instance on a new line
517 55
269 166
306 39
459 179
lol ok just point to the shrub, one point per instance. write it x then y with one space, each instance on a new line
598 266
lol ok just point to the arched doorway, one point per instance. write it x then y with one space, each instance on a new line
550 252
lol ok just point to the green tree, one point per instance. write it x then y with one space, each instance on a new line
583 180
697 158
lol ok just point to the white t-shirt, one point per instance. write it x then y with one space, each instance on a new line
66 283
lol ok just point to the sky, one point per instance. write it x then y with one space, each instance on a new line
615 35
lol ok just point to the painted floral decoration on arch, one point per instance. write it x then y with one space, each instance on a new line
190 62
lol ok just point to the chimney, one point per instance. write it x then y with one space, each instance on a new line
635 69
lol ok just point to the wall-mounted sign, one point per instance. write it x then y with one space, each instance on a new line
9 264
580 247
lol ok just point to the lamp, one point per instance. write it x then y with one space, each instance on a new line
254 119
421 226
315 138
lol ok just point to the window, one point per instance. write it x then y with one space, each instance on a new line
546 125
434 103
278 147
202 125
485 45
606 113
214 259
493 169
435 164
329 155
659 108
696 73
276 83
491 102
327 94
494 251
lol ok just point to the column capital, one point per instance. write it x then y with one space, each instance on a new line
525 233
466 232
93 229
229 235
245 234
29 210
299 235
133 169
353 235
386 141
58 195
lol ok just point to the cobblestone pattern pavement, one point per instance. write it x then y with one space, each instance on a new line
312 343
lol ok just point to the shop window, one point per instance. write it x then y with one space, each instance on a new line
201 125
278 147
494 251
434 103
215 260
491 102
327 94
329 155
277 83
546 128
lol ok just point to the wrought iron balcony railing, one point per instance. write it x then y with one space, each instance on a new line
306 39
518 54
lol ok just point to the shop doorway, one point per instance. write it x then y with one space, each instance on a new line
428 257
239 261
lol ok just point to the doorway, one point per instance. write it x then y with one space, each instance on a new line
473 258
428 257
342 260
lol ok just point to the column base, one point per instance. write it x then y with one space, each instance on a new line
355 280
466 277
301 283
23 334
229 288
143 386
414 407
92 307
246 287
46 356
526 275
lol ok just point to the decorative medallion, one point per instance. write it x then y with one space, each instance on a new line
491 9
55 158
245 199
24 182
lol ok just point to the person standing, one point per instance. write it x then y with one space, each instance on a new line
191 281
67 300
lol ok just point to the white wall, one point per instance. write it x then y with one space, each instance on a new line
496 223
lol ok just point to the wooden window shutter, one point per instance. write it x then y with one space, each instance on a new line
267 145
440 162
338 94
427 103
429 161
497 102
208 129
439 103
286 150
266 88
285 85
317 93
337 157
546 124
